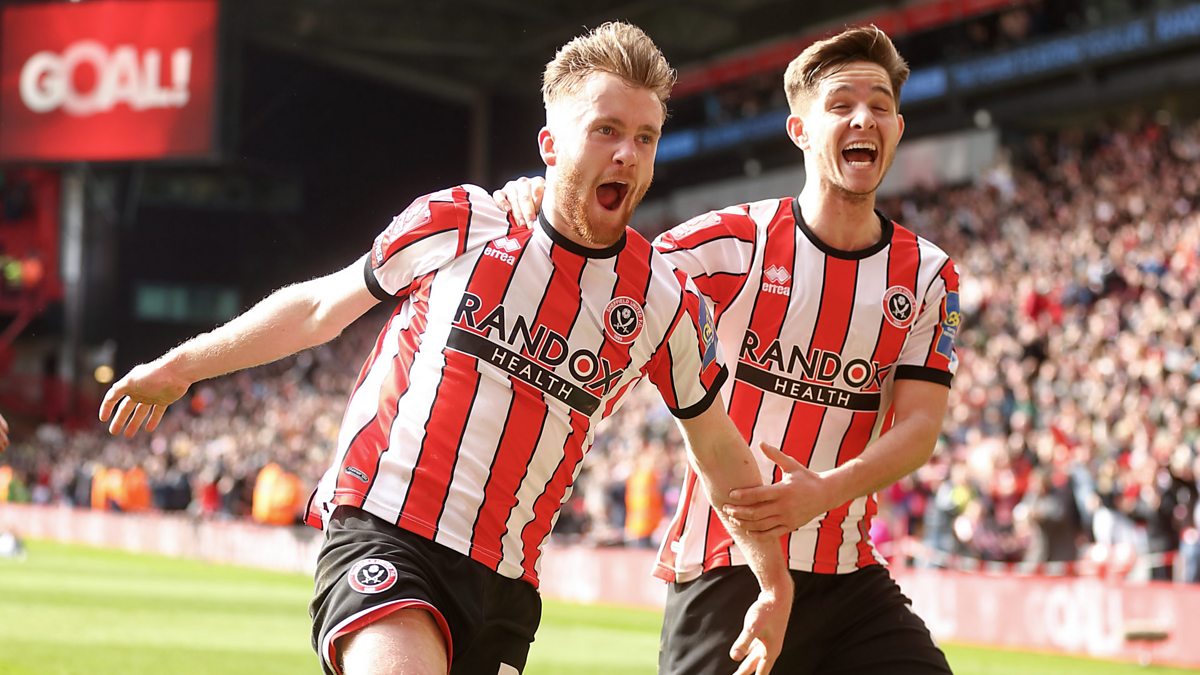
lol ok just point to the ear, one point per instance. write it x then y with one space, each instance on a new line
795 131
546 147
900 126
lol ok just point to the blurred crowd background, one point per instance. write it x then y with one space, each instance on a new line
1073 433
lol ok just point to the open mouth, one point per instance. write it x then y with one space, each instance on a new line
612 195
860 153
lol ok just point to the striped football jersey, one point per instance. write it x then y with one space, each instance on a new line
816 338
470 418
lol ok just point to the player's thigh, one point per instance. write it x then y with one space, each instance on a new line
878 632
701 620
406 642
369 571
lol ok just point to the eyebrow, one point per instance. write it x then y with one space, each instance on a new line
874 88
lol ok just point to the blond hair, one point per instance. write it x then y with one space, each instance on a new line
621 49
820 59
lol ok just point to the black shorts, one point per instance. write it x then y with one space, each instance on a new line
840 624
369 568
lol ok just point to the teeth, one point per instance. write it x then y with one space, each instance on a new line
861 145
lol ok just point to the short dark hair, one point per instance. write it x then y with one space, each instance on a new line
862 43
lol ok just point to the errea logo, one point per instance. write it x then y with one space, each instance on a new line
502 249
775 280
507 244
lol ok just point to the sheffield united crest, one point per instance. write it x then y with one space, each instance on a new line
899 306
623 320
372 575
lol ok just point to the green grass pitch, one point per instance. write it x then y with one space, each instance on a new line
68 610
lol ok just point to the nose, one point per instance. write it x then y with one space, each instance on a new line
626 153
863 119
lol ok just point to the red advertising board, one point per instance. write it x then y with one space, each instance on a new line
108 80
1089 616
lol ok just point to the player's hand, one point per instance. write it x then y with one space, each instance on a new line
783 507
3 433
525 194
761 640
140 397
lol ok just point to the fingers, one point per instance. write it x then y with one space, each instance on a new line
741 646
155 417
526 202
121 417
750 666
3 434
521 197
501 200
783 460
753 495
763 526
537 190
114 394
140 412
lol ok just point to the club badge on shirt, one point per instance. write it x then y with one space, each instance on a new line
623 320
899 306
372 575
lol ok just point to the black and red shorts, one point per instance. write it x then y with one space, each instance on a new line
841 624
369 568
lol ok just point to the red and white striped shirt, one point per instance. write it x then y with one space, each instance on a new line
819 337
470 418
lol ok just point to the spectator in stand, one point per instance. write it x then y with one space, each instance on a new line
1190 548
644 497
1048 510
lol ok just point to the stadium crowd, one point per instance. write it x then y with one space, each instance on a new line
1074 428
1015 25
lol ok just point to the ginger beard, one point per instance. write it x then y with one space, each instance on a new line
615 201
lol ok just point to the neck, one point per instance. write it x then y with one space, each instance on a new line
843 221
562 221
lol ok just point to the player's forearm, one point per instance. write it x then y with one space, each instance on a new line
895 454
285 322
725 463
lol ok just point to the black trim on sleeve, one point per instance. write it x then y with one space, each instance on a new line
705 403
934 375
373 283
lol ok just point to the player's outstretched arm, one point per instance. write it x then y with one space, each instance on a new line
289 320
523 198
802 495
724 462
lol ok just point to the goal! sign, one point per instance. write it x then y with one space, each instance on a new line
108 80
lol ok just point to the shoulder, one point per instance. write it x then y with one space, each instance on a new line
932 255
732 222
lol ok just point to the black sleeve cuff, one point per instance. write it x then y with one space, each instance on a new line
704 403
934 375
373 283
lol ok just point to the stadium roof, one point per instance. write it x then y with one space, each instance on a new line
460 50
